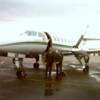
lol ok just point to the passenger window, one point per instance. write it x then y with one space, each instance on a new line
54 38
62 39
65 40
34 33
57 39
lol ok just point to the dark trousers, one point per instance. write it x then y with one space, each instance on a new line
58 70
48 69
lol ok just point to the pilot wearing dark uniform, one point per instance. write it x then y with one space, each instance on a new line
49 63
59 65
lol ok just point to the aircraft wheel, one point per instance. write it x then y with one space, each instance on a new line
20 74
86 69
36 66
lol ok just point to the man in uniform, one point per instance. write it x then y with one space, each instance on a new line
59 58
49 63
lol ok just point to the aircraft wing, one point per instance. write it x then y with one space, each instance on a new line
80 52
93 51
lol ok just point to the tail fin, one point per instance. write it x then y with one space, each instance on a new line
79 41
84 39
81 38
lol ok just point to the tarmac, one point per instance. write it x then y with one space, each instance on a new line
75 85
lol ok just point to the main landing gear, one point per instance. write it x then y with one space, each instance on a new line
36 64
20 72
86 68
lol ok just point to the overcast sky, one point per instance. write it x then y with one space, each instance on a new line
68 17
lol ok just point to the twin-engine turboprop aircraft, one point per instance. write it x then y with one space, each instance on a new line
31 44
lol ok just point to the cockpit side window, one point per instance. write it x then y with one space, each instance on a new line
40 34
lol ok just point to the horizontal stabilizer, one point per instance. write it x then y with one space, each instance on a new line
91 39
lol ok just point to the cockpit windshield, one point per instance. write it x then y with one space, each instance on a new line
34 33
31 33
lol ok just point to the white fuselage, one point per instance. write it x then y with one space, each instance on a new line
32 42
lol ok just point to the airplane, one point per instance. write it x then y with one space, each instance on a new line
30 44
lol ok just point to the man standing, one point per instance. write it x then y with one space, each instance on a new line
49 63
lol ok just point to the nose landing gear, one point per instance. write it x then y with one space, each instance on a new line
36 64
20 72
86 69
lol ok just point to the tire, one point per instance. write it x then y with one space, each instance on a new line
19 74
86 69
36 66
